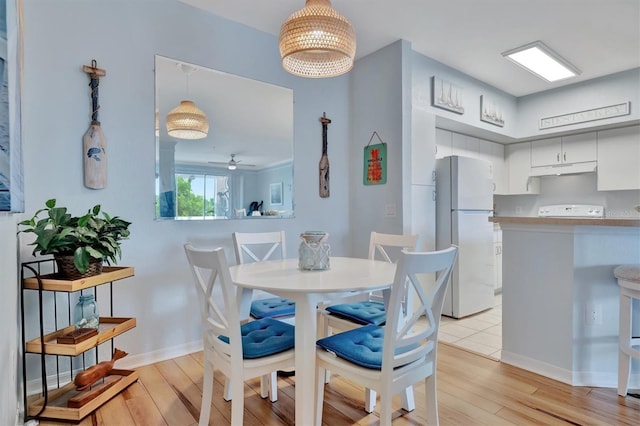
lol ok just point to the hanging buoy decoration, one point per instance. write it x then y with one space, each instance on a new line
94 141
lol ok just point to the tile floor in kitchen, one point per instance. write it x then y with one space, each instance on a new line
480 333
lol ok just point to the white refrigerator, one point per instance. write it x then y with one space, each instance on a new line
464 203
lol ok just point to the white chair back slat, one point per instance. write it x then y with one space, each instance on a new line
259 246
402 330
211 271
381 247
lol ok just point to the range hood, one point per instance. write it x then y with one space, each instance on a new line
564 169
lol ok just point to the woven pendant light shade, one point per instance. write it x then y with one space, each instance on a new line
187 121
317 41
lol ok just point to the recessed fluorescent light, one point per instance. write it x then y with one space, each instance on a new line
537 58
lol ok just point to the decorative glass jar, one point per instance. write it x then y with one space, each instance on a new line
314 251
85 313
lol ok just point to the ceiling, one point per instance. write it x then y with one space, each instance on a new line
600 37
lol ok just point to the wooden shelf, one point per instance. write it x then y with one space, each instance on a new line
53 282
56 407
109 328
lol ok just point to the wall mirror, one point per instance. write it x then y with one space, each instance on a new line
250 126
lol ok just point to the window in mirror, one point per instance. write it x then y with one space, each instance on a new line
251 120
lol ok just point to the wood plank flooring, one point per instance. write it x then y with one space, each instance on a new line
472 390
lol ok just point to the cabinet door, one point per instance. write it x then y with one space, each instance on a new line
546 152
518 159
619 159
494 153
443 143
579 148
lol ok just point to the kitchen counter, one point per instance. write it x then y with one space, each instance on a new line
560 297
565 221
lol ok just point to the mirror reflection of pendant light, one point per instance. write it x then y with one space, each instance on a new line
317 41
187 121
233 164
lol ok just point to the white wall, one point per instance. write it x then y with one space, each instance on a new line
609 90
10 377
123 36
425 68
377 105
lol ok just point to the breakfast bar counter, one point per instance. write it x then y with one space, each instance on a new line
560 297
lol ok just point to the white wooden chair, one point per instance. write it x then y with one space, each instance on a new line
409 350
353 314
258 247
239 352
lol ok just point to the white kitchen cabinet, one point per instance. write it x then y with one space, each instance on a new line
494 153
464 145
443 143
518 161
619 159
571 149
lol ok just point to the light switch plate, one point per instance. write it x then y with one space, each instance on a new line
390 210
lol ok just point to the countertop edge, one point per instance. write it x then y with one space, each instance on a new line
565 221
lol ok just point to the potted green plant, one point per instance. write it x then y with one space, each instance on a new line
83 243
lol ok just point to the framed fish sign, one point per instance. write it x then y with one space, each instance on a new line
375 163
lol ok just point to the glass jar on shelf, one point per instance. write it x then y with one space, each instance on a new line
85 313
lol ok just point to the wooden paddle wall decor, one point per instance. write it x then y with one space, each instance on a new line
94 141
324 160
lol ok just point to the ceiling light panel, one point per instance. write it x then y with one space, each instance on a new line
540 60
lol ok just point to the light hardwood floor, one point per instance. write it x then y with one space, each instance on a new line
472 390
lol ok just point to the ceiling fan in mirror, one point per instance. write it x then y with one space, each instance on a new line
232 164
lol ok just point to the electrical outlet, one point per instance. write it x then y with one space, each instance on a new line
593 314
518 210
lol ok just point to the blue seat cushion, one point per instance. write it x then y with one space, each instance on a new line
361 346
360 312
272 307
264 337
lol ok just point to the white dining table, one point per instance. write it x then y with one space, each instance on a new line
309 288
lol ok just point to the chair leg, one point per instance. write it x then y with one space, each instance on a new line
432 399
273 386
324 331
369 400
207 394
385 408
408 403
264 386
320 375
624 371
237 403
227 389
624 341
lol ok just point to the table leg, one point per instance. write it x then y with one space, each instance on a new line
244 296
306 323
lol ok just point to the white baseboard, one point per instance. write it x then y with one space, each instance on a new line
130 362
126 363
573 378
538 367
